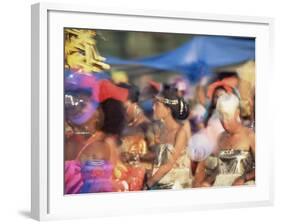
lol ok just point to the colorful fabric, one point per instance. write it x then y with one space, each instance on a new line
73 178
221 83
180 176
97 176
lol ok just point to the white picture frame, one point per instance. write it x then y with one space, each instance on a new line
48 201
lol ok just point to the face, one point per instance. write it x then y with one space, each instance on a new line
228 122
160 110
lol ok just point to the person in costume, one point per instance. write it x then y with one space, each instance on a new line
213 126
83 108
233 163
138 136
82 118
171 169
107 137
99 151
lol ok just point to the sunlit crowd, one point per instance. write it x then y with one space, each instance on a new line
125 135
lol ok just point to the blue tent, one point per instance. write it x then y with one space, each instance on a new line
199 56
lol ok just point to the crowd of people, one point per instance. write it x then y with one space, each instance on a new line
114 143
125 134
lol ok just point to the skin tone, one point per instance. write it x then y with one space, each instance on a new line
235 137
72 146
99 146
201 95
97 150
173 133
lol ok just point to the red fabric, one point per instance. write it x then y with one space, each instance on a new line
155 85
136 178
133 177
221 83
109 90
104 89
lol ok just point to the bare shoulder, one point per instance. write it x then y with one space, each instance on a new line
222 136
186 128
182 133
186 124
248 132
222 139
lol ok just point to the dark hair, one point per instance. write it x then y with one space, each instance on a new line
114 116
212 106
227 74
180 111
134 92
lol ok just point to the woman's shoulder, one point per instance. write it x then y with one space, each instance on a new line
185 125
248 131
184 130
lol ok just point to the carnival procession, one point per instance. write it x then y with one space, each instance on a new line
181 116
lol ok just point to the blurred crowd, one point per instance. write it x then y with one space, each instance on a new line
124 134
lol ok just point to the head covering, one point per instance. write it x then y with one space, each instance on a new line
181 86
166 100
221 83
108 90
101 90
227 105
119 77
155 85
179 103
85 114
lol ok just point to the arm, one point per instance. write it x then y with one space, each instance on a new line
181 139
148 157
199 176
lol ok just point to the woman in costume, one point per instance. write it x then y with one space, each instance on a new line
233 163
171 169
139 135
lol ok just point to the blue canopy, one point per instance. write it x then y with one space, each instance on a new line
198 56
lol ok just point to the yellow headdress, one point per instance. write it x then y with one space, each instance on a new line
81 52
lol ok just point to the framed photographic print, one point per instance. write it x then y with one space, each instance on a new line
148 111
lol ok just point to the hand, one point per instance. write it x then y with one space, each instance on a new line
202 184
238 182
205 184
